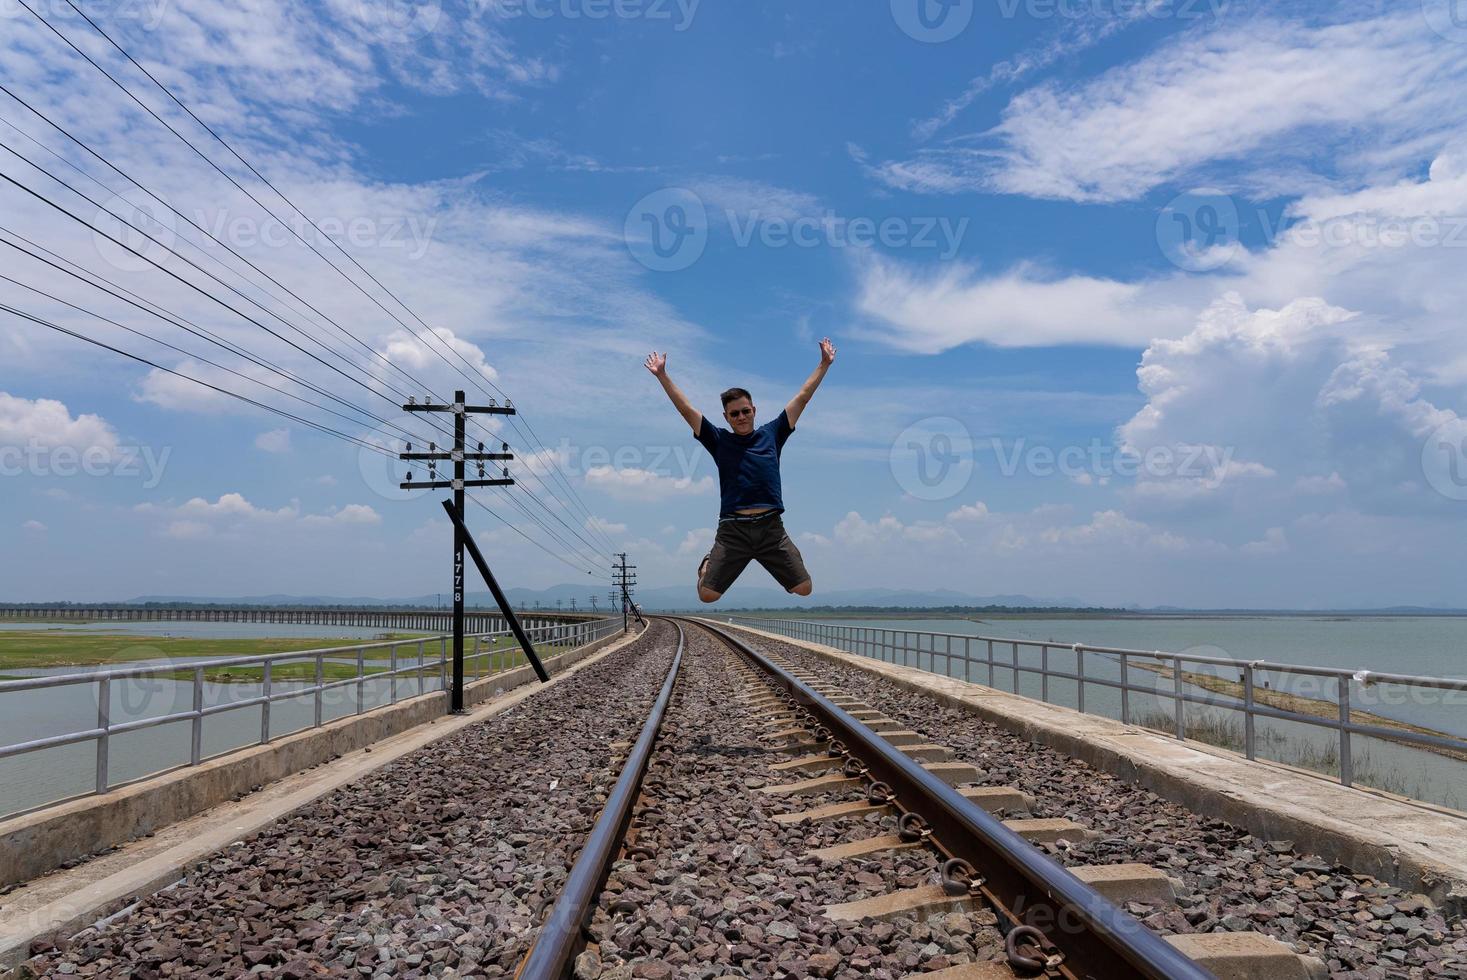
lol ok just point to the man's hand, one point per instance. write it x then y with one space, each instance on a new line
827 352
796 407
657 364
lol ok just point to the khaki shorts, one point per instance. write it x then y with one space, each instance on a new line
764 540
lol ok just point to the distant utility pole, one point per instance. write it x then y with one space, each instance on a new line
624 581
573 605
595 610
459 456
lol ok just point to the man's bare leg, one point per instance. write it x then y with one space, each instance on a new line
804 588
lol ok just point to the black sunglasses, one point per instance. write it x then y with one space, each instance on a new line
739 413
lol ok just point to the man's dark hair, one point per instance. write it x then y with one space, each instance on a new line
734 394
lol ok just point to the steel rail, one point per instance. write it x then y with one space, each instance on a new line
560 939
1097 939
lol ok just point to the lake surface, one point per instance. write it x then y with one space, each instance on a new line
34 779
1421 645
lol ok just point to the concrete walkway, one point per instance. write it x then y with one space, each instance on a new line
1411 845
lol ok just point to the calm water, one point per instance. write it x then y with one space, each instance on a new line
1430 646
30 780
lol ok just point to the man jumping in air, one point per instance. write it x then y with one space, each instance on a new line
749 525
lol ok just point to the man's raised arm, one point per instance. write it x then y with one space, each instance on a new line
657 364
797 404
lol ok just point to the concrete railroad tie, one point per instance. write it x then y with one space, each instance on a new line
1231 956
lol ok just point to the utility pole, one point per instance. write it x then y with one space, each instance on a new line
458 456
624 580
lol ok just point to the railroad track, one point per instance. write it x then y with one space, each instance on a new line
1045 920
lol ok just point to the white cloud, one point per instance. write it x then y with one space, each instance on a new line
47 424
199 517
274 441
350 514
1273 542
1268 95
751 197
969 512
601 524
630 483
932 311
33 526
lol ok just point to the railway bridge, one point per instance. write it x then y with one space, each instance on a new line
699 798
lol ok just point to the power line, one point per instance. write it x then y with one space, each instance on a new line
473 375
187 377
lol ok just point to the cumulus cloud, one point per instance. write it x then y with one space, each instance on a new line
33 526
631 483
200 517
601 524
1290 393
274 441
47 424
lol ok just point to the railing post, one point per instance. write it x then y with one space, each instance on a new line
968 659
1044 672
990 662
1347 759
320 683
1250 748
420 666
1181 709
361 679
196 745
393 669
265 706
1080 671
1016 666
1125 690
104 722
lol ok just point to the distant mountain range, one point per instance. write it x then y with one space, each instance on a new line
670 598
666 598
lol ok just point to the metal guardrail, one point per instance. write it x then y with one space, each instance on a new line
560 634
906 647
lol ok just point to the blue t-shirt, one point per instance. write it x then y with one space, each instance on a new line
748 466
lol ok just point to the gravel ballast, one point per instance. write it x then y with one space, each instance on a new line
435 865
1361 927
725 891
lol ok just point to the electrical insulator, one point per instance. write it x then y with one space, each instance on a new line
409 447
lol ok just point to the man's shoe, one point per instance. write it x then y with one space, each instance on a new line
703 568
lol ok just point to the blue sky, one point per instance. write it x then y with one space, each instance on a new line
1137 303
